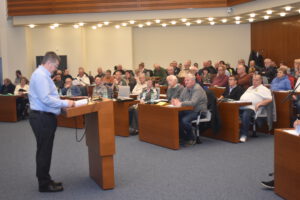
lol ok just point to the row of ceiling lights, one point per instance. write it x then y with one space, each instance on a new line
174 22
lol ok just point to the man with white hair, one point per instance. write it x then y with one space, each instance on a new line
192 95
174 89
186 69
269 71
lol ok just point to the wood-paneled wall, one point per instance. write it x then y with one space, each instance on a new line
278 39
43 7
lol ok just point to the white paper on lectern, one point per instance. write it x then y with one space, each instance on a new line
292 132
81 102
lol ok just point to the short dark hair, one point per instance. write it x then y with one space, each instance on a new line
50 56
232 76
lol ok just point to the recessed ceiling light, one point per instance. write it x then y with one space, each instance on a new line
252 15
224 20
212 23
80 23
56 25
288 8
210 19
188 23
173 22
131 21
282 14
237 18
124 24
32 25
157 21
269 12
251 19
148 23
99 25
94 27
164 25
183 20
199 21
237 22
117 26
52 27
140 25
76 26
106 23
266 17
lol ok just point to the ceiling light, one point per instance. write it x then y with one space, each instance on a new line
94 27
199 21
148 23
269 12
237 22
76 26
81 24
52 27
237 18
131 22
56 25
124 24
106 23
224 20
117 26
32 25
251 19
252 15
282 14
212 23
210 19
164 25
99 25
288 8
157 21
266 17
140 25
173 22
183 20
188 24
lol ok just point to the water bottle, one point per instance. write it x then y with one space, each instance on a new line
298 124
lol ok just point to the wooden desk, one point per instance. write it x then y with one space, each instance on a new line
121 117
8 108
160 125
284 110
287 165
218 91
230 127
100 139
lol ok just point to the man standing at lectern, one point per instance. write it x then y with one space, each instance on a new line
45 104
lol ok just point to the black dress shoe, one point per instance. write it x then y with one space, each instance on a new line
51 188
268 184
56 183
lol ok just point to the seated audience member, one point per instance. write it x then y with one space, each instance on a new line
69 89
102 90
22 89
108 79
192 95
119 68
221 79
281 82
66 75
142 69
211 69
185 70
140 85
159 72
18 77
148 94
296 70
100 73
174 89
170 70
82 77
176 68
233 90
58 82
244 79
230 69
130 80
242 62
119 79
252 64
268 70
259 95
206 76
222 63
7 87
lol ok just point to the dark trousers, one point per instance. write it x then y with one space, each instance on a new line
246 118
44 127
133 118
21 105
185 125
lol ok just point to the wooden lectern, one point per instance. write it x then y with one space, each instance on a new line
100 139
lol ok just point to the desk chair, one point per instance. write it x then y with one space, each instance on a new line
204 116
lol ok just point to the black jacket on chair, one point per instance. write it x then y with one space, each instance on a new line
235 94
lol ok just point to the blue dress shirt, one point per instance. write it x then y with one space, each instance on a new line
43 95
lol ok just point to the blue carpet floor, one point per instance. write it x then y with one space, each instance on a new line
214 170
